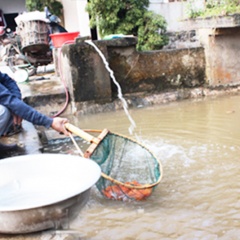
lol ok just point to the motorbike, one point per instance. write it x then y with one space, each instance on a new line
30 46
9 41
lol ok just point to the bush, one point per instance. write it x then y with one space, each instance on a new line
129 17
151 33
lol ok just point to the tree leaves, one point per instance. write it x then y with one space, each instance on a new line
55 7
129 17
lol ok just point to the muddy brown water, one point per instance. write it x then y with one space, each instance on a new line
198 143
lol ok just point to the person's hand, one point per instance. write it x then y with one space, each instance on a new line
17 120
58 124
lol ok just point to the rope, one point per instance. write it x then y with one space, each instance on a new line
75 144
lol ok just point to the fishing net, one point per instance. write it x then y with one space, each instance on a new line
130 171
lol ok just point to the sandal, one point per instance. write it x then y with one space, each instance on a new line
13 130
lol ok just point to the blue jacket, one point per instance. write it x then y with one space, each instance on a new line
10 97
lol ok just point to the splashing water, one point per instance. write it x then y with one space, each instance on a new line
120 96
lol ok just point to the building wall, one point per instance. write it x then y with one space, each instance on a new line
174 12
70 13
75 16
13 6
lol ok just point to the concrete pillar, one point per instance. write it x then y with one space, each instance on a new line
85 73
222 55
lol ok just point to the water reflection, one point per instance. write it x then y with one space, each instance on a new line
198 143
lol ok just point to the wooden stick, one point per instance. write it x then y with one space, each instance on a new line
93 146
81 133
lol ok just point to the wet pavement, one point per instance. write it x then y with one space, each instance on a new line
28 142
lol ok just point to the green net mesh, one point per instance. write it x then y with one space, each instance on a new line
128 162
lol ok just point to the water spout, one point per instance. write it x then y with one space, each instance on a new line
120 96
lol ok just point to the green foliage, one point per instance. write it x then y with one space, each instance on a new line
214 8
149 35
54 6
129 17
192 11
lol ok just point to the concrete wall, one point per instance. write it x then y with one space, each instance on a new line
154 71
85 73
220 38
157 70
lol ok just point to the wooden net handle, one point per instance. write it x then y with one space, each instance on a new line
79 132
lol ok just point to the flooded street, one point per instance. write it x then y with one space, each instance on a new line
198 143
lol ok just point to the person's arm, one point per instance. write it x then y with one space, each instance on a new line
19 108
12 100
10 84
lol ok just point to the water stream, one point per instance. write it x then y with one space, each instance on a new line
198 143
120 96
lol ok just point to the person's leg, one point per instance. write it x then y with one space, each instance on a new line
5 120
5 123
